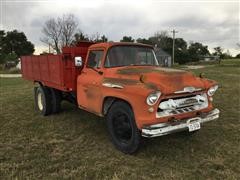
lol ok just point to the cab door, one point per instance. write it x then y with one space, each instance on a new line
89 94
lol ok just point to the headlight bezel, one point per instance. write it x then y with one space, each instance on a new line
211 91
153 98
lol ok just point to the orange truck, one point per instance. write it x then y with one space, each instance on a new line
124 83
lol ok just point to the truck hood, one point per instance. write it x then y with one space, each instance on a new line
167 80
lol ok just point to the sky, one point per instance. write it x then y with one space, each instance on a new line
213 22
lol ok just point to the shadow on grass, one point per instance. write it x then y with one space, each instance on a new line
96 128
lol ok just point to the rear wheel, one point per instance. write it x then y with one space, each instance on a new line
122 128
42 98
56 100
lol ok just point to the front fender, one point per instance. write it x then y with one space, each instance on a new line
137 100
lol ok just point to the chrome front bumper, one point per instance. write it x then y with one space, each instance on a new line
162 129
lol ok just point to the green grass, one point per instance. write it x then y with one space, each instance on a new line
75 144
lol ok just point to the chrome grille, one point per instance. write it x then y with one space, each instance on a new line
182 105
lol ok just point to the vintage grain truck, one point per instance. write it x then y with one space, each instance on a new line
124 83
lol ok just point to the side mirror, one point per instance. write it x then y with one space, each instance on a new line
78 61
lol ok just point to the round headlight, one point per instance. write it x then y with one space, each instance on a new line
212 90
153 98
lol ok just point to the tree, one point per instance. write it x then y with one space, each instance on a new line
104 38
52 32
59 32
181 52
127 39
144 41
11 57
69 26
162 40
94 37
2 55
237 56
227 55
218 51
14 44
197 50
79 36
99 38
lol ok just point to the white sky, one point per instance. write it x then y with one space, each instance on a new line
213 23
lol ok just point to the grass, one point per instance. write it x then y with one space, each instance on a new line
75 144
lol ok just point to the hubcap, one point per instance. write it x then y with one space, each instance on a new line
39 100
122 127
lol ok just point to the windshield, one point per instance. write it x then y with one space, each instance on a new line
130 56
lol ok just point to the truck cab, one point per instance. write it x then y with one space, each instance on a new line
129 74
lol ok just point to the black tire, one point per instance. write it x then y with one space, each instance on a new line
122 128
42 97
56 100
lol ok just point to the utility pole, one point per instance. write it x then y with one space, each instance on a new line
174 32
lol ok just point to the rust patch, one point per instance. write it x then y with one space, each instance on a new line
133 71
150 86
89 94
121 81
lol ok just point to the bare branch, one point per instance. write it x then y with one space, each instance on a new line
69 26
59 32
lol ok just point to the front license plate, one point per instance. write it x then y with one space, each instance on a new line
193 126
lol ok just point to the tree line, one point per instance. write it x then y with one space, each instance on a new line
64 31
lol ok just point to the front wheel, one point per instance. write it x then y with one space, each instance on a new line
122 128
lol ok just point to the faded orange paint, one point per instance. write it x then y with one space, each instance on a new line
135 84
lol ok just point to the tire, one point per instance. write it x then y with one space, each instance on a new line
43 99
56 100
122 128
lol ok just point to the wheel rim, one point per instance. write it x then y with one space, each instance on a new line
122 127
39 100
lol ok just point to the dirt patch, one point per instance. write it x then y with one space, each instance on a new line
195 67
10 75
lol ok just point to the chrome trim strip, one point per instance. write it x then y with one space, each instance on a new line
111 85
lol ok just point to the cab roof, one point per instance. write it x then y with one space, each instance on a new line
110 44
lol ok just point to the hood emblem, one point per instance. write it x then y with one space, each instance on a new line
188 89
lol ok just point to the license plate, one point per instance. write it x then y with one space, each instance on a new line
193 126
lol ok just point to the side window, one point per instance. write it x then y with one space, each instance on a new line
95 58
